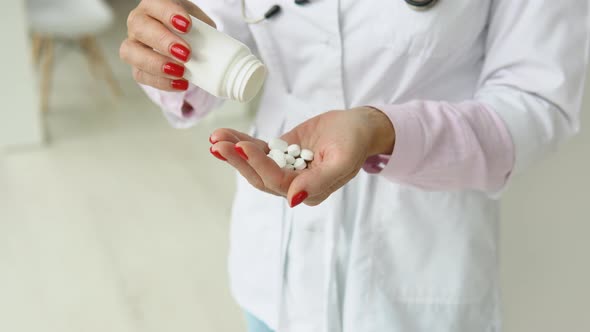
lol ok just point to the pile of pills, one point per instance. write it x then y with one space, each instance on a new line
289 156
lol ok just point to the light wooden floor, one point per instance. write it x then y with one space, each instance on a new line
117 225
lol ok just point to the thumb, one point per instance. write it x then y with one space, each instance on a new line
316 184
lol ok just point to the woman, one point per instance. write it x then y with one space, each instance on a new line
439 106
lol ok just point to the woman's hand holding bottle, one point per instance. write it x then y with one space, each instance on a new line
155 53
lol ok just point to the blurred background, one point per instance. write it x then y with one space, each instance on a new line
110 220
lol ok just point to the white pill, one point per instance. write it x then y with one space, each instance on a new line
279 144
290 167
307 155
294 150
280 160
275 152
290 159
300 164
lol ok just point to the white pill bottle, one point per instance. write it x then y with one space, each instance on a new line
221 65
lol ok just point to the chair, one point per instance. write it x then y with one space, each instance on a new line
53 21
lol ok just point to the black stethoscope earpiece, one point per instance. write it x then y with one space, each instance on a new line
276 9
273 11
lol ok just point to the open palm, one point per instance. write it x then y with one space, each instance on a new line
341 141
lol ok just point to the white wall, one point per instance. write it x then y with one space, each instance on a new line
546 242
19 107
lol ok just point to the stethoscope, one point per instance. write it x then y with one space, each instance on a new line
276 9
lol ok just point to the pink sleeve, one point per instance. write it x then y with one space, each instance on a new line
183 109
445 146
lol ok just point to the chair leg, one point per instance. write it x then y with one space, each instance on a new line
46 74
37 48
90 58
97 61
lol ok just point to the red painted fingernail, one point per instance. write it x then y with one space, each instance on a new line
241 152
211 140
180 85
217 154
180 52
298 198
174 69
180 23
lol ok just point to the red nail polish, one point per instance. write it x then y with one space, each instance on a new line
241 152
298 198
181 85
180 52
211 140
174 69
180 23
217 154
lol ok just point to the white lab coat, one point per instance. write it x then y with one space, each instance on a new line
379 256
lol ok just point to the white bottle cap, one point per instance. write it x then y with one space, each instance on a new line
245 79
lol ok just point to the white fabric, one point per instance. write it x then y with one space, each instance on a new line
69 18
379 256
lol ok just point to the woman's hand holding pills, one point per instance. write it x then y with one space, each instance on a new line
336 144
156 54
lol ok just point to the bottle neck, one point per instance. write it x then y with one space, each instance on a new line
244 77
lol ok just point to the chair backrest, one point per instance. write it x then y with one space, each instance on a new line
69 18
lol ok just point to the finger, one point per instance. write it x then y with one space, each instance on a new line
293 136
149 61
153 34
316 184
227 151
274 178
170 13
159 82
195 11
222 135
175 14
234 136
304 132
